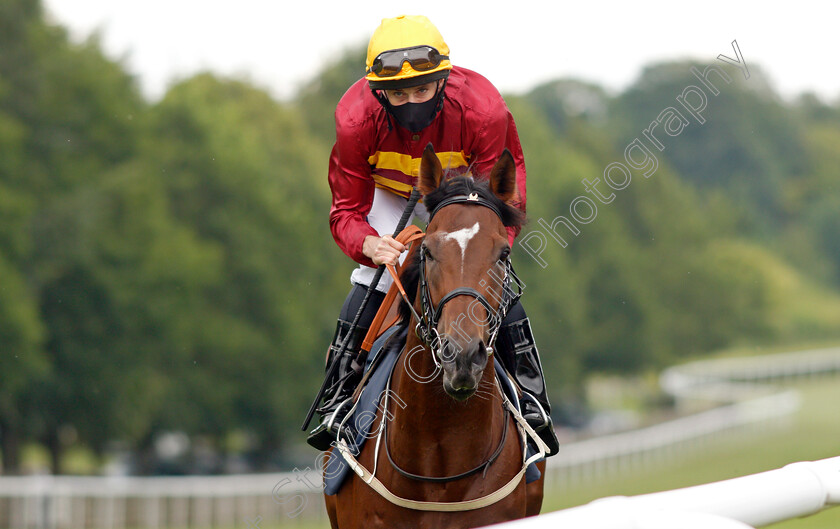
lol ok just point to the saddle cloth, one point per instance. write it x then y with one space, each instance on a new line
390 344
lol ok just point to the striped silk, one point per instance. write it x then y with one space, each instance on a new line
391 170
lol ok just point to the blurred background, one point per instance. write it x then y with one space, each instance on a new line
169 285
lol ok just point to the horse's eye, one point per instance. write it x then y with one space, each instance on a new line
505 255
426 253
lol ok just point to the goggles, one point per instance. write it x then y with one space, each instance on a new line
421 58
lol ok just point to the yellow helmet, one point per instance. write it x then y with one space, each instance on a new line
404 51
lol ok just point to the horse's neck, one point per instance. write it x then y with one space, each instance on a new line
428 412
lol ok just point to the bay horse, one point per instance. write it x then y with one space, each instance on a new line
450 450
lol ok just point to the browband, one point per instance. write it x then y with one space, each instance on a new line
472 198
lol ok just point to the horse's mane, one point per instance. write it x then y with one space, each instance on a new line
459 185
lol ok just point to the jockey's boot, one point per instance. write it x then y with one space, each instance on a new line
337 397
516 343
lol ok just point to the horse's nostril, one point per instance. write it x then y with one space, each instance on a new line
448 351
479 356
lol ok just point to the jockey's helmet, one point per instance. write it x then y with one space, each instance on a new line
406 51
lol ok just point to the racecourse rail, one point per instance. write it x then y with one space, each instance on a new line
796 490
731 394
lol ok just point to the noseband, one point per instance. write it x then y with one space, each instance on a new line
426 328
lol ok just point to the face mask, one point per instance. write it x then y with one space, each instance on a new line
415 116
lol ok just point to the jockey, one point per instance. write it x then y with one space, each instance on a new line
412 95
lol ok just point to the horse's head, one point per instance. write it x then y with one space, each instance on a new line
463 266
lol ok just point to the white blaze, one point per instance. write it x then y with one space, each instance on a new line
462 237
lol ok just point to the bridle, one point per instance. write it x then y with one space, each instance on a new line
426 328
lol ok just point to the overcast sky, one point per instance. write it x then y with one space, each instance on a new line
280 44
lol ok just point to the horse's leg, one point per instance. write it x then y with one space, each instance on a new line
534 492
352 507
331 502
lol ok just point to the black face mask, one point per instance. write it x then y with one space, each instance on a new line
416 116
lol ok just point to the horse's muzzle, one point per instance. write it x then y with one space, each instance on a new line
463 368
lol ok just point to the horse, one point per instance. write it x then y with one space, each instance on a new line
449 454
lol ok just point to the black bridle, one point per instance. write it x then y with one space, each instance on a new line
427 323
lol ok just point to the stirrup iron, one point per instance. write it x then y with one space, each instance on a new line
543 414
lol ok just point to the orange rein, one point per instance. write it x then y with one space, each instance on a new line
406 237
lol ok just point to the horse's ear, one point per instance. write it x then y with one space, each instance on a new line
430 171
503 177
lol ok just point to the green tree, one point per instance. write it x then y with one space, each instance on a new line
748 144
242 174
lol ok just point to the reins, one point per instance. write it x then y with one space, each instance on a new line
407 236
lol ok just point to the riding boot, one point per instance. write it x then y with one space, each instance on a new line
521 359
340 386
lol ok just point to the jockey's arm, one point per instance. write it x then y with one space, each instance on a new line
497 134
352 188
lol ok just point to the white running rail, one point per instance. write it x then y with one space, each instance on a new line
798 489
741 392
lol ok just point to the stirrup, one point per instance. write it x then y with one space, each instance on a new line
323 436
334 414
545 419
